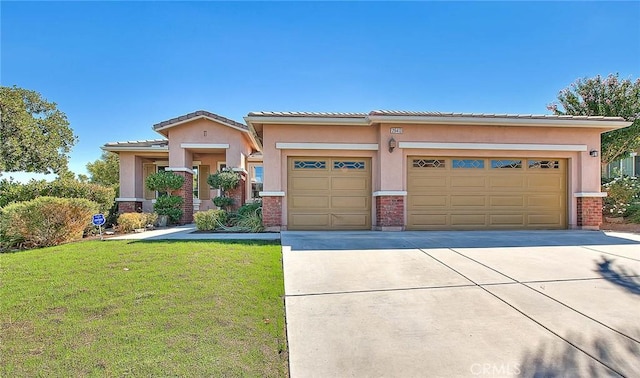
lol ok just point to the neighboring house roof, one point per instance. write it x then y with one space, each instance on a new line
199 114
138 145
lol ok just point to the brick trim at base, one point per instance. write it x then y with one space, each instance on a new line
272 213
129 207
390 213
589 211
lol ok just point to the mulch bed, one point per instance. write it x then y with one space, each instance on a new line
623 227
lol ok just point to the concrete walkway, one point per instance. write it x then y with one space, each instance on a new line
186 232
566 307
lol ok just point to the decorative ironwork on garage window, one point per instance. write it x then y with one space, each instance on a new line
310 164
348 164
468 163
506 163
428 163
544 164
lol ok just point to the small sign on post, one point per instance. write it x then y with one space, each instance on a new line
99 220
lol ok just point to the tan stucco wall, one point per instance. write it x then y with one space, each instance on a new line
389 168
194 132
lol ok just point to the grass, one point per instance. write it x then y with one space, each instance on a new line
143 309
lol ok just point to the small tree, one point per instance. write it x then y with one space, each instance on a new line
167 204
224 180
606 97
105 170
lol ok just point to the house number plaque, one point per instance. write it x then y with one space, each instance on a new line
396 130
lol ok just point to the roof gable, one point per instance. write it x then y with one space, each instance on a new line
197 115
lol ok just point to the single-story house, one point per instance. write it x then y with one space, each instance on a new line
382 170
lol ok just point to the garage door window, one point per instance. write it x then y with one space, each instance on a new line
544 164
468 164
508 164
348 164
428 163
309 164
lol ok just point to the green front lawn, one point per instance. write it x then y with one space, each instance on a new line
162 308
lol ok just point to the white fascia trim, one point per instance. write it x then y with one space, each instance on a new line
171 169
328 146
494 146
353 121
590 194
240 170
135 149
204 145
381 193
129 199
271 194
531 122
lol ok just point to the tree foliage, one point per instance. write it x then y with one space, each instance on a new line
608 96
34 134
105 170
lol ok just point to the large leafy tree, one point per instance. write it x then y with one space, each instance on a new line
34 134
105 170
608 96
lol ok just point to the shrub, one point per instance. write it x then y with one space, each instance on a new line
170 206
210 219
249 217
11 191
621 193
226 179
223 202
45 221
167 204
128 222
150 218
164 182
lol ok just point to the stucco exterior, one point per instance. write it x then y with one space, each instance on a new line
271 139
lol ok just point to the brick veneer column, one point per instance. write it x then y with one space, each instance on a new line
589 212
390 213
186 192
129 207
272 213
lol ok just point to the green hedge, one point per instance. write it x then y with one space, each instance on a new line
45 221
12 191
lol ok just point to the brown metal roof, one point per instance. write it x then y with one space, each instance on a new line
197 114
140 143
490 115
308 114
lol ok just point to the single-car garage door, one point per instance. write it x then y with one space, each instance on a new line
446 193
329 193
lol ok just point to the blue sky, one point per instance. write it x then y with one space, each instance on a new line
116 68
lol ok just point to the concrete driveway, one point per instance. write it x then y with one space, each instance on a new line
442 304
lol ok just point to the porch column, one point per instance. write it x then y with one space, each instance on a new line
131 193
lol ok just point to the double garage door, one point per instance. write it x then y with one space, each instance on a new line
447 193
444 193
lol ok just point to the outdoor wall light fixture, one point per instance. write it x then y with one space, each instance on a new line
593 153
392 144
